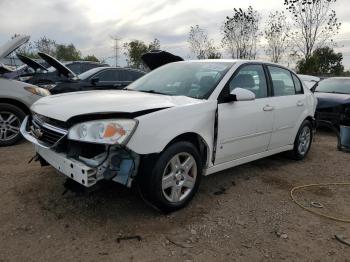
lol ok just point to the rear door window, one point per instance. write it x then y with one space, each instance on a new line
298 85
282 81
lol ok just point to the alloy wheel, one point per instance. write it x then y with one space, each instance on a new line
304 140
179 177
9 126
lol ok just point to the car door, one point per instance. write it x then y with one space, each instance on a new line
244 127
288 102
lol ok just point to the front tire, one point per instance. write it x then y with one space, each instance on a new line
170 181
11 118
303 140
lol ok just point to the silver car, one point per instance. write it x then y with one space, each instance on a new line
15 97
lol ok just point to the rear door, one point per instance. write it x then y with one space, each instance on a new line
244 127
288 102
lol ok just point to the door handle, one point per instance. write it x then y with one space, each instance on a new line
300 103
268 108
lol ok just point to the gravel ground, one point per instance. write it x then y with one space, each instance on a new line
242 214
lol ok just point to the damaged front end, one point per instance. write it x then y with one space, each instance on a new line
86 161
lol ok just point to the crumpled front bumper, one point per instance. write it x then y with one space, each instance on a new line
118 164
71 168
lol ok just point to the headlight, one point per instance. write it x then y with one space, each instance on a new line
37 90
112 131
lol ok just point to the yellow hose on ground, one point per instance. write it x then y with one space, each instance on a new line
314 211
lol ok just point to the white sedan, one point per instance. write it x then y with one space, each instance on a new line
174 125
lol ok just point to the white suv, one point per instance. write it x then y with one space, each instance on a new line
175 124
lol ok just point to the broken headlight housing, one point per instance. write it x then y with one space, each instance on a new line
112 131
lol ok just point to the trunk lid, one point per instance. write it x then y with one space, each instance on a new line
158 58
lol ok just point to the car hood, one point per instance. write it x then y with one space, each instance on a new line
61 68
30 62
12 45
66 106
327 100
159 58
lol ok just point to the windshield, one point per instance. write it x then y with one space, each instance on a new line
192 79
340 86
89 73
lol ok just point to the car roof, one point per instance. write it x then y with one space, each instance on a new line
120 68
340 78
235 61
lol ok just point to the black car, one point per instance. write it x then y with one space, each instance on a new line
100 78
333 108
107 77
47 76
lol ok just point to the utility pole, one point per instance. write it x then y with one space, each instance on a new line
116 48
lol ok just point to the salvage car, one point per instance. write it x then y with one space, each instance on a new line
100 78
15 98
46 77
310 81
333 108
174 125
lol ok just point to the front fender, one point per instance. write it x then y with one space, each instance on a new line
156 130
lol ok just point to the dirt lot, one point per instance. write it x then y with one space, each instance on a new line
242 214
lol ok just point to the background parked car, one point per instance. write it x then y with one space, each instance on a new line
15 98
51 75
333 95
310 81
100 78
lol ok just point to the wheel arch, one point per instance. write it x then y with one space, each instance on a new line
198 141
17 103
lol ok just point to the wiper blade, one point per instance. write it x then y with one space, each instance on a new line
151 92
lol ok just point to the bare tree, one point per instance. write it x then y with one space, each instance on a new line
276 35
200 44
154 45
46 45
241 33
315 23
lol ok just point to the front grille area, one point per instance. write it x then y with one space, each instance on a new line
46 133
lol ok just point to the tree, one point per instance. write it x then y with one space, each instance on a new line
200 44
46 45
323 61
241 33
154 45
315 23
91 58
276 35
135 49
67 53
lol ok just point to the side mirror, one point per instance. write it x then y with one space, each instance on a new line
243 94
95 80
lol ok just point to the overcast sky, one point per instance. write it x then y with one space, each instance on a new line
88 24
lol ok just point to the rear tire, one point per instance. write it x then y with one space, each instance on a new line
303 141
11 118
170 181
